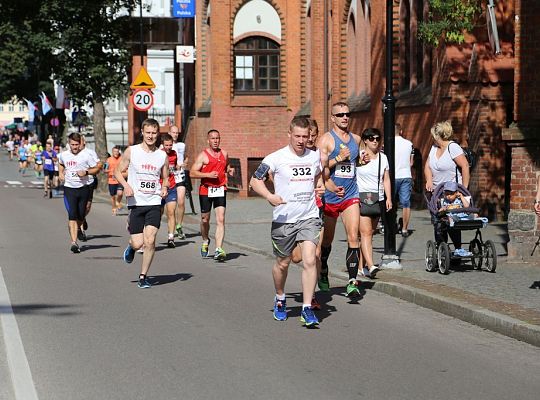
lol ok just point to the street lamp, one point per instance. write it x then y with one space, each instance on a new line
390 258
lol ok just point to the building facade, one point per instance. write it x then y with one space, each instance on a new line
261 62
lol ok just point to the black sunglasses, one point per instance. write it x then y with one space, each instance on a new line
341 115
374 138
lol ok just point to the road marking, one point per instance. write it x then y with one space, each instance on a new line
21 376
37 183
14 182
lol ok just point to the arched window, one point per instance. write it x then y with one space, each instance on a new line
256 66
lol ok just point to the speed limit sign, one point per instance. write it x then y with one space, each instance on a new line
142 99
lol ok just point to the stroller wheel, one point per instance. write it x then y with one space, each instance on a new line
431 256
443 258
475 247
490 256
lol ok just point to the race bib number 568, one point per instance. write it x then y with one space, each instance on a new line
147 186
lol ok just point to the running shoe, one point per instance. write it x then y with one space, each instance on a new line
204 249
75 248
315 305
462 253
324 283
170 244
365 272
141 250
220 254
352 289
308 318
144 283
81 235
373 271
280 310
180 232
129 254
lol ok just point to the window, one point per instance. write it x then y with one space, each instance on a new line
1 107
11 107
21 107
256 66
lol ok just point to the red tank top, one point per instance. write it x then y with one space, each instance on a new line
218 164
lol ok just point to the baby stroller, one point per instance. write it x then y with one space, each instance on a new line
440 256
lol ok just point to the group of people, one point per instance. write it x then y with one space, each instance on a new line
316 180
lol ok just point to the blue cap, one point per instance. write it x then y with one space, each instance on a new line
450 186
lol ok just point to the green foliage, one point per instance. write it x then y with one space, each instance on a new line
448 20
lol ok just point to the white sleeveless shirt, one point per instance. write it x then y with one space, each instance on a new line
143 176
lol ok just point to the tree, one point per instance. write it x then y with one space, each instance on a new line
448 20
92 55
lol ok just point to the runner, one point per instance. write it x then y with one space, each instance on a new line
180 178
92 183
22 153
38 159
115 189
212 167
339 153
75 168
296 171
168 204
56 179
49 158
146 165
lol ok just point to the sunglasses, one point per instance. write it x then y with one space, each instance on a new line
341 115
374 138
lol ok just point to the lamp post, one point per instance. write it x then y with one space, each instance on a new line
390 258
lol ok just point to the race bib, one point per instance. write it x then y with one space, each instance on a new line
344 170
147 186
216 191
48 161
179 176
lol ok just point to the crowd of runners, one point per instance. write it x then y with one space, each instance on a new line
316 180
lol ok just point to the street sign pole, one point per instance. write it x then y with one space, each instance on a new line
390 258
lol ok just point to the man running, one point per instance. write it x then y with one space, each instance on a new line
146 165
116 191
92 185
75 168
339 150
296 172
49 158
180 178
168 204
212 167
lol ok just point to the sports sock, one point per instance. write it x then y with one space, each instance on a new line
352 260
325 253
280 296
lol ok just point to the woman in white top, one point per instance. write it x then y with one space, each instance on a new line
372 176
446 162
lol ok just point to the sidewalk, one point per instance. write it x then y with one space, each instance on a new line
507 301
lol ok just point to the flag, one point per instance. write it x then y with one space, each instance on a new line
62 100
45 103
31 109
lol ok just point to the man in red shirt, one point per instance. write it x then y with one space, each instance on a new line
212 167
168 204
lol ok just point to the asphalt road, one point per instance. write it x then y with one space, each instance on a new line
205 330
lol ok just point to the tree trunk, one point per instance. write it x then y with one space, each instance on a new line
100 137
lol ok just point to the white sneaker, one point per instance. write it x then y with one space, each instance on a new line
373 271
365 272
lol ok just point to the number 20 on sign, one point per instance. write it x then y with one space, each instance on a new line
142 99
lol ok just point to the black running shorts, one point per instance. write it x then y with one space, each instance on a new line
141 216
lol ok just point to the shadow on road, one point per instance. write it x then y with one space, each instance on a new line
102 236
87 247
51 310
165 279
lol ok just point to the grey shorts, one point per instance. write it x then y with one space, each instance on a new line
285 236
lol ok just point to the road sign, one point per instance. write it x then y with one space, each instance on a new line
142 99
142 81
183 9
185 54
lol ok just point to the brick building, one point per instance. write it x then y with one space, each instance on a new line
261 62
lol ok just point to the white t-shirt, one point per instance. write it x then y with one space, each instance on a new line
95 157
366 175
10 144
403 151
144 173
443 169
180 149
72 163
294 181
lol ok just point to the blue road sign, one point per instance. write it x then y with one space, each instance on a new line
183 8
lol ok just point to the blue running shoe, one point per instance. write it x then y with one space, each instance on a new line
280 310
144 283
308 317
129 254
